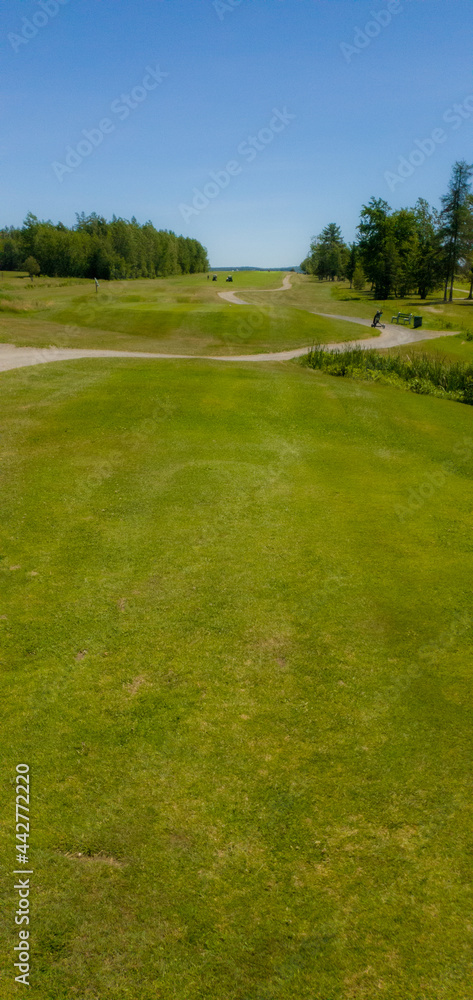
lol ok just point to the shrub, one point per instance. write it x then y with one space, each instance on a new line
31 265
419 373
468 391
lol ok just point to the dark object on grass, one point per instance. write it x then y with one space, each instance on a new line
230 278
377 319
214 277
406 318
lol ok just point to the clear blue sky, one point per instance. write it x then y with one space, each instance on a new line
355 113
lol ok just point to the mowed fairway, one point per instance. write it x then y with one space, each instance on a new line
236 617
185 315
182 315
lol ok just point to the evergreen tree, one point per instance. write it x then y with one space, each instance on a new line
456 230
328 253
428 265
351 262
359 278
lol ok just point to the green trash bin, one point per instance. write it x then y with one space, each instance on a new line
417 321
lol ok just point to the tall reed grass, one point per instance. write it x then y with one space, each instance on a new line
420 373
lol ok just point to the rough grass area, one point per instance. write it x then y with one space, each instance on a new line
457 348
427 374
176 315
337 297
236 630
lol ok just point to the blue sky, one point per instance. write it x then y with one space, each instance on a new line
329 119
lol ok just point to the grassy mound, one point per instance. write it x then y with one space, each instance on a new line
176 316
214 328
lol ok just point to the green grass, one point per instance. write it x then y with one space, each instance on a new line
423 373
178 315
338 298
185 315
450 348
236 616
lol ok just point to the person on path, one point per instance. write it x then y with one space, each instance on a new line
377 318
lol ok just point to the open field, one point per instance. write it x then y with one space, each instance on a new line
337 297
236 617
185 315
177 315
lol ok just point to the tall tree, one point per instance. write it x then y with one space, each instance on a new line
377 247
351 262
328 253
456 222
428 263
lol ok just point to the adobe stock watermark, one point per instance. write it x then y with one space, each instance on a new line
455 116
434 481
364 36
121 107
31 26
221 7
248 150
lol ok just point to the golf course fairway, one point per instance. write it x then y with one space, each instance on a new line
236 617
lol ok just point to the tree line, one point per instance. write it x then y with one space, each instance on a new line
95 248
410 250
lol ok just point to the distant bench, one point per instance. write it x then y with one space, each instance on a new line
406 319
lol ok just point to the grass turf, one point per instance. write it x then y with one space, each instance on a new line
185 315
451 348
236 612
182 315
337 297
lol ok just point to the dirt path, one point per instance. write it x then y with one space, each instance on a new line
393 336
22 357
234 300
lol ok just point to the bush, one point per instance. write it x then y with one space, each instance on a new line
31 265
468 391
420 373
